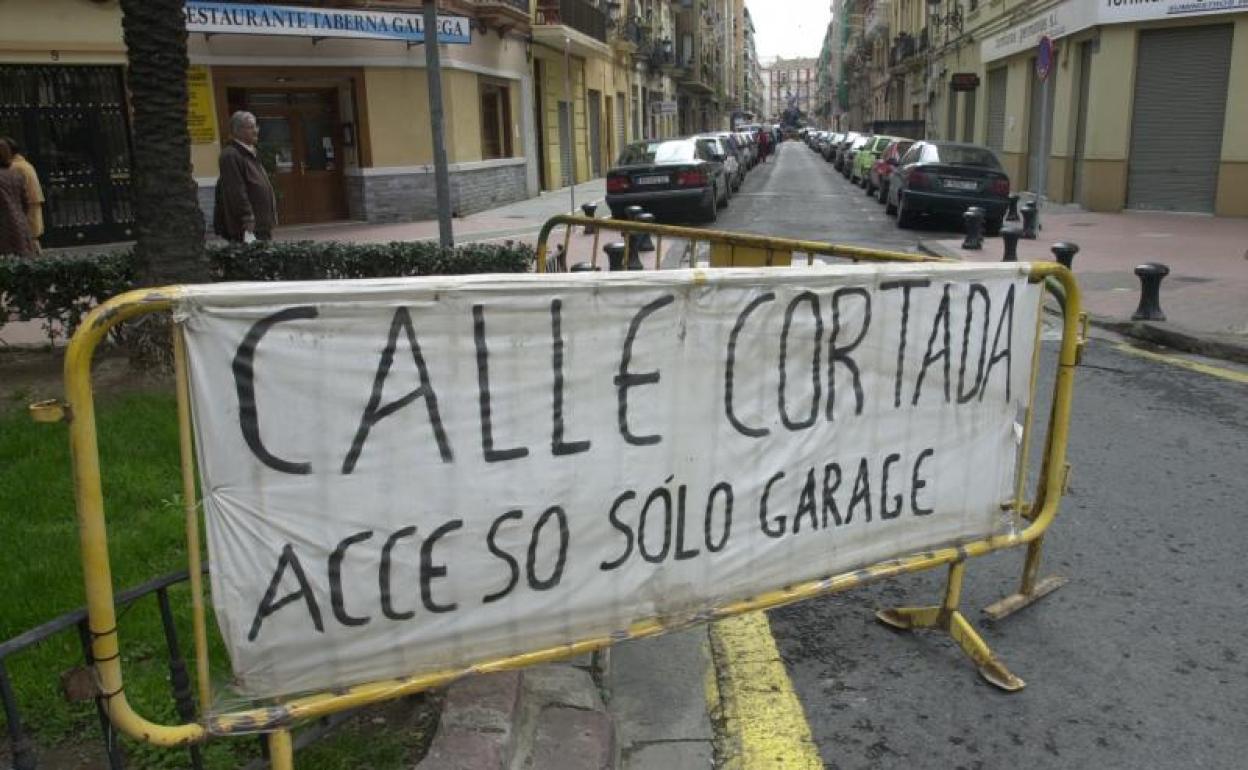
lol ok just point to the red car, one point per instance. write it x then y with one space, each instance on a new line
877 180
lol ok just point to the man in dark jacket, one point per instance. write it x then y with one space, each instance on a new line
245 209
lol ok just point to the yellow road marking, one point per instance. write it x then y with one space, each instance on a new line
1195 366
751 693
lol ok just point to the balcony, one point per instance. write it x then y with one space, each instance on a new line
503 14
877 19
580 16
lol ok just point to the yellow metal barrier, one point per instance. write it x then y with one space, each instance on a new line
280 717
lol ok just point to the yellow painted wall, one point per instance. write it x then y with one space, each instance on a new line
462 105
1110 94
398 120
1235 127
1016 100
60 31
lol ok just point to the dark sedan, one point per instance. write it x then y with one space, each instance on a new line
670 176
948 178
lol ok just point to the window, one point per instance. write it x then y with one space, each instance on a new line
495 120
963 155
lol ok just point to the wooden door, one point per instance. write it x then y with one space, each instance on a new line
300 144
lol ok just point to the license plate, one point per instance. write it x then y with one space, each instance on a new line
657 179
961 184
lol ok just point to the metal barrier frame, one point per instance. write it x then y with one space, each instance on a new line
278 719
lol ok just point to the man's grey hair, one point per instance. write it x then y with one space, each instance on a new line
240 119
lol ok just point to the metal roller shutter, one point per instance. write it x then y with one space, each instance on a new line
998 79
1176 131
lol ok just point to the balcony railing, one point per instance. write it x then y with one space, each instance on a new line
580 15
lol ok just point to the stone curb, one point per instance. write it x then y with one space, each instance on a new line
549 717
1224 346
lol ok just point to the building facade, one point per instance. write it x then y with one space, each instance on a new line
793 85
340 94
1130 105
537 94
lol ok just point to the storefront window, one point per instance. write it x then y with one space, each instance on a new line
495 121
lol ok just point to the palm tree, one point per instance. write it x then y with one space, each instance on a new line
170 224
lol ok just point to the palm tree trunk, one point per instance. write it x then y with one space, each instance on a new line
170 224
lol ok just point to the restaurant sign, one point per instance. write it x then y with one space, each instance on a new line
296 21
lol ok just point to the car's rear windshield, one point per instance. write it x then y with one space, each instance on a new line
963 155
642 153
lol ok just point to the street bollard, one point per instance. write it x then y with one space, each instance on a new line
590 209
615 255
1064 252
584 267
1150 274
1010 236
1012 214
974 219
632 212
1031 220
644 241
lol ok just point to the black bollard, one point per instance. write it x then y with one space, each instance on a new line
1064 252
1010 236
584 267
974 219
1031 220
1012 214
590 209
632 212
644 241
1150 274
615 255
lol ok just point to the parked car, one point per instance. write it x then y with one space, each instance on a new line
882 169
866 158
828 149
735 160
850 152
838 150
746 142
671 176
948 178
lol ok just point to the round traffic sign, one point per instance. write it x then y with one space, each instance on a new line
1044 58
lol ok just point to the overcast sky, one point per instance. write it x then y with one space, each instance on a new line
789 28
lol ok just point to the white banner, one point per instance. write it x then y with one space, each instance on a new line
407 475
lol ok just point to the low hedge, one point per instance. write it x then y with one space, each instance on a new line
60 289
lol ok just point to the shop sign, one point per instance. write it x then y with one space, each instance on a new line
295 21
201 118
1061 20
964 81
663 108
1117 11
1075 15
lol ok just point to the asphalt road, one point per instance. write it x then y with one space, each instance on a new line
1139 662
797 195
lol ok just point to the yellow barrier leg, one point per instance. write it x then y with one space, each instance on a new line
949 619
1030 589
281 751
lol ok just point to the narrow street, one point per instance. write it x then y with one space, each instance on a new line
1137 662
796 194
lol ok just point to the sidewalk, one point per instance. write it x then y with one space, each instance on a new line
1205 297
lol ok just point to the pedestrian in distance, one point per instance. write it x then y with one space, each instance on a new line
15 238
764 145
34 190
246 209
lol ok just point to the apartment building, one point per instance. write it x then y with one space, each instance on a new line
793 85
339 91
1134 105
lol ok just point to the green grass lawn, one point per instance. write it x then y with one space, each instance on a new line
42 578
